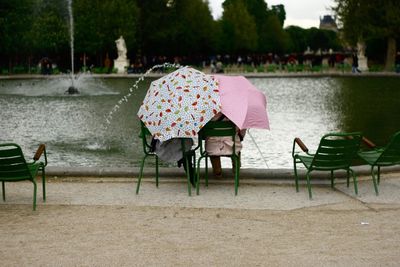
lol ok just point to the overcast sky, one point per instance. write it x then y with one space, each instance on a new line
303 13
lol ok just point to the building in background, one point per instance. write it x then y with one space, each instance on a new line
327 22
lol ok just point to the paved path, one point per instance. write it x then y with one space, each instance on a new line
102 222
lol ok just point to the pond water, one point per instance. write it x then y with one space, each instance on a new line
73 127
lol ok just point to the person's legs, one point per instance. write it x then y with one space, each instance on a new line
216 165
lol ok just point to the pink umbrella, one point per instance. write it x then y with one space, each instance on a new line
242 102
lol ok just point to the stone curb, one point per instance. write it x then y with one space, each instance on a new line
247 74
249 173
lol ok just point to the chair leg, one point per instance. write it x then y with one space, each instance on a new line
379 174
188 177
374 181
354 181
348 178
309 185
157 171
206 176
198 176
332 180
44 184
140 174
236 162
238 169
296 178
34 194
194 165
3 188
236 175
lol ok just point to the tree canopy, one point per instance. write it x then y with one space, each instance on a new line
364 20
33 29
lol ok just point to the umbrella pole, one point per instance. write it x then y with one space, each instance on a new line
259 150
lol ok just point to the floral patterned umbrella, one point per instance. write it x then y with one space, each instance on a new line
180 104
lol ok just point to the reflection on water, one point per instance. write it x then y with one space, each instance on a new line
73 129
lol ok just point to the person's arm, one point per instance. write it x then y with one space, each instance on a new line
241 134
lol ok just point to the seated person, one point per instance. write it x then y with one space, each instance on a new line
171 151
217 146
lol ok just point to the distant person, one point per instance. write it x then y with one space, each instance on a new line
219 67
213 67
138 67
354 65
239 61
107 64
397 62
131 69
45 66
332 59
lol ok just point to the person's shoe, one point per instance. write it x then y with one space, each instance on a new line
218 175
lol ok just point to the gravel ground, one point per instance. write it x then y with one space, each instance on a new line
95 222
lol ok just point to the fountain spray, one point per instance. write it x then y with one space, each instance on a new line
72 89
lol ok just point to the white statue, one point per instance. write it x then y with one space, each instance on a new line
121 48
361 49
121 63
362 59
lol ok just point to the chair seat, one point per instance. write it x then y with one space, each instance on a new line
33 168
306 160
370 156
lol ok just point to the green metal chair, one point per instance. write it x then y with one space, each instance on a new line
13 167
336 151
217 129
146 137
388 155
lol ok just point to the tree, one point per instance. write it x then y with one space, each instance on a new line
15 39
239 28
89 33
270 35
178 27
322 39
99 23
279 11
274 39
298 39
193 24
49 30
119 18
364 20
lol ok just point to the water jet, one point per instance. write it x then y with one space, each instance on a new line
72 89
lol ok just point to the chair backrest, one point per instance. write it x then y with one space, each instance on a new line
145 135
391 153
336 151
13 166
218 129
